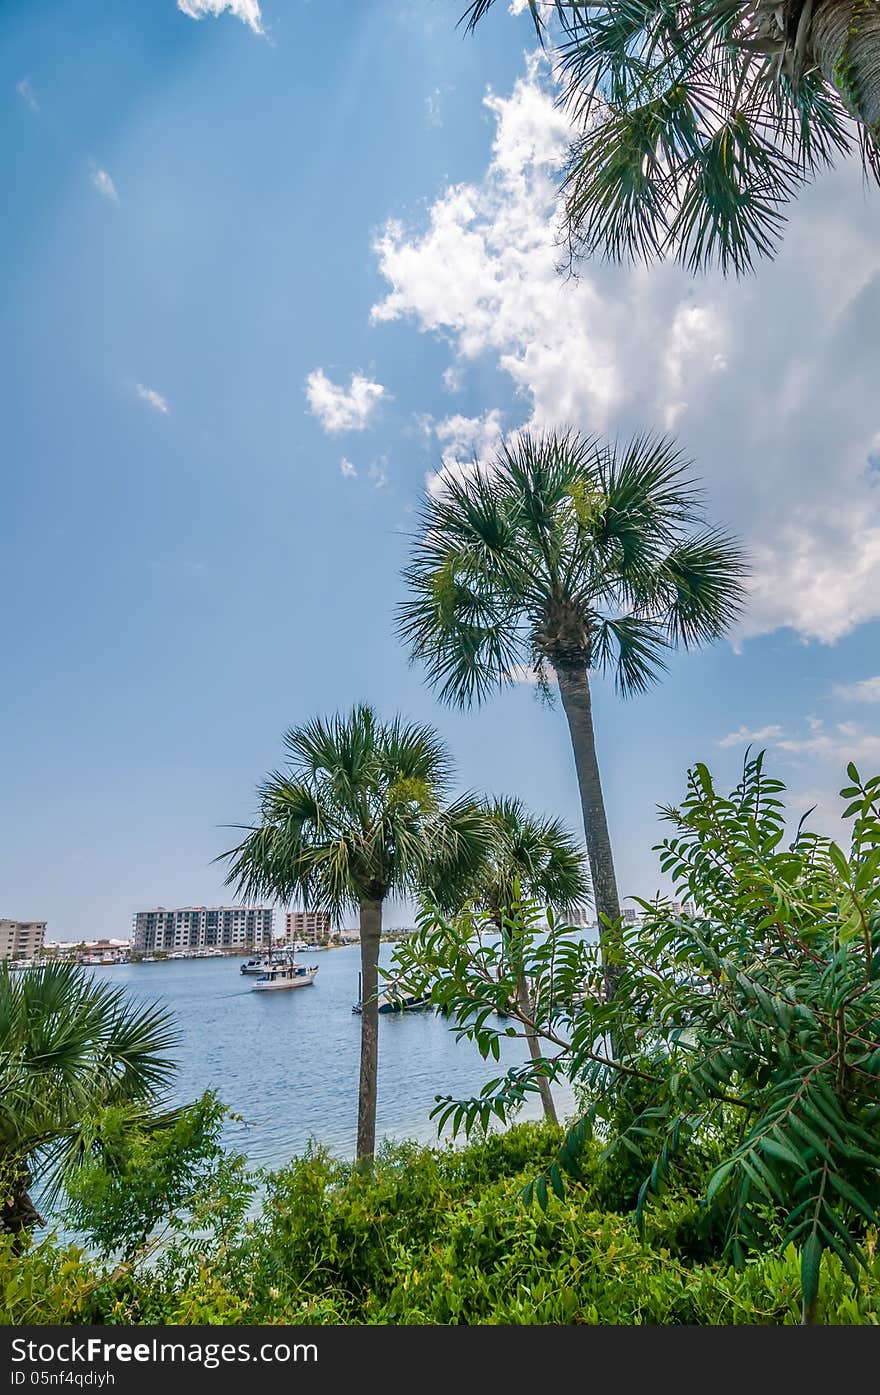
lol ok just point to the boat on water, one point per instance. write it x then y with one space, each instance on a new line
393 1000
287 974
401 1002
256 966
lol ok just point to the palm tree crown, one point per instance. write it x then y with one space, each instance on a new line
530 857
698 120
356 815
565 551
69 1048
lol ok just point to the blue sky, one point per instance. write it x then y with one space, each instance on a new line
265 273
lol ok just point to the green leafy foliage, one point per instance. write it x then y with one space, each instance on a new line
696 122
565 551
439 1236
523 851
70 1047
139 1185
748 1026
357 814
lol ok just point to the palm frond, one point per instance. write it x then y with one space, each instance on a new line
71 1046
633 649
523 560
701 582
519 855
358 814
695 123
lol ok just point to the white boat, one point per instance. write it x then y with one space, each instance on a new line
286 975
256 966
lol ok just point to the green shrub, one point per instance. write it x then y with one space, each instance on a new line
739 1056
438 1236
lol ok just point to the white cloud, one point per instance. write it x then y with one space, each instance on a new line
464 441
835 745
843 743
246 10
769 383
104 185
470 435
868 690
341 410
153 399
696 341
453 378
745 737
347 470
378 472
434 108
27 94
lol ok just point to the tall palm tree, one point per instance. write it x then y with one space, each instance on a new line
531 859
697 121
357 817
567 555
70 1046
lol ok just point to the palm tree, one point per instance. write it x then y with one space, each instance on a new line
697 121
69 1048
567 555
357 817
537 860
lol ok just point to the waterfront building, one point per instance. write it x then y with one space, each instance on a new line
581 916
313 926
21 939
203 927
102 951
683 908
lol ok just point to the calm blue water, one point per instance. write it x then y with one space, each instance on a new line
288 1062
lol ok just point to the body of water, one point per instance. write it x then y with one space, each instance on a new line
288 1062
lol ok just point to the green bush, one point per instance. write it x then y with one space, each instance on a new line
438 1236
157 1178
739 1056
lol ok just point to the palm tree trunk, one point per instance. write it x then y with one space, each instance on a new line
371 929
845 40
574 688
523 997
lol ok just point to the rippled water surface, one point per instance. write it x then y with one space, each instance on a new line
288 1061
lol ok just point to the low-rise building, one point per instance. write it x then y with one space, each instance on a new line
314 926
203 927
582 916
21 939
60 949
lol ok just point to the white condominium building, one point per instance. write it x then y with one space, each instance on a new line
203 927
